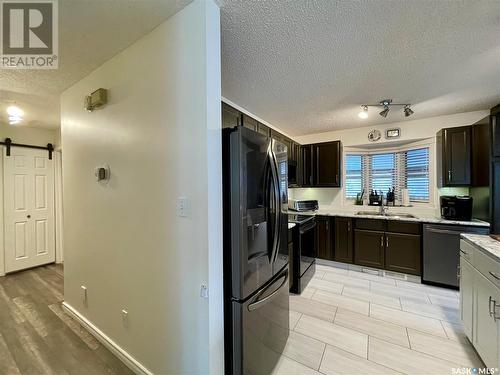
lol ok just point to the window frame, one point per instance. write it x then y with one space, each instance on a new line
401 147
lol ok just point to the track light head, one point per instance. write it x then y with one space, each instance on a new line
384 112
364 113
408 112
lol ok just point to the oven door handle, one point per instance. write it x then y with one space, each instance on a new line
307 227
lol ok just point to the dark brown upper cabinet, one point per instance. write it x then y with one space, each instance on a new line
231 117
326 164
321 164
307 166
324 237
369 248
463 155
343 251
454 156
481 152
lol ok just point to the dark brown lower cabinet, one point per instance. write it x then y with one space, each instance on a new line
343 240
324 237
402 253
369 248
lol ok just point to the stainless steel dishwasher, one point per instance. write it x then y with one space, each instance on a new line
441 255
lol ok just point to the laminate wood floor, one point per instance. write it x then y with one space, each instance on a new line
37 337
348 322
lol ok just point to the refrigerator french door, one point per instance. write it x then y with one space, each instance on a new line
255 251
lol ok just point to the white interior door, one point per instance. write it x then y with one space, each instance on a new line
28 209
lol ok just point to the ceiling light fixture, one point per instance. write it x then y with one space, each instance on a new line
386 104
15 115
14 111
364 113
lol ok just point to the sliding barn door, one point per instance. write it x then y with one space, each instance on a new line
28 209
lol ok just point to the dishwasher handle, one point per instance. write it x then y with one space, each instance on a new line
443 231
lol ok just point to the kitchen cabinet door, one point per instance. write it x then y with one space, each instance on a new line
485 331
481 150
403 253
263 129
369 248
456 156
307 166
250 123
324 237
466 296
343 251
326 164
231 117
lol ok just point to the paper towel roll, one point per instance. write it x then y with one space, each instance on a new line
405 195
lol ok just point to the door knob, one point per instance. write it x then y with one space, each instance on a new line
28 216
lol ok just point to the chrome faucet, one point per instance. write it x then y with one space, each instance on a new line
382 208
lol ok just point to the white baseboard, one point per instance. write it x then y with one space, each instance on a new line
122 355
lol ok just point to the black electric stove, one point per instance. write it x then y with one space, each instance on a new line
303 252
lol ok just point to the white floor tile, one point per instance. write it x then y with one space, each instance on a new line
368 296
287 366
407 319
450 350
372 327
361 307
369 276
431 311
405 360
347 280
304 349
313 308
344 338
329 286
339 362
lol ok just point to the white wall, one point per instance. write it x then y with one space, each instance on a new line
32 136
160 135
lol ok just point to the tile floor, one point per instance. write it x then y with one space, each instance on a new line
348 322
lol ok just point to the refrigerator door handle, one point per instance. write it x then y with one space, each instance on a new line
277 205
260 302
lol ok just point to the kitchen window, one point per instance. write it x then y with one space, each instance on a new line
381 171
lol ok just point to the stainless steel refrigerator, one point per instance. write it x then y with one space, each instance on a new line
255 251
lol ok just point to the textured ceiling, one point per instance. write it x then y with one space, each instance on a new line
307 66
90 32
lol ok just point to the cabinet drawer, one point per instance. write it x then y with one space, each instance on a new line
404 227
487 266
467 251
371 224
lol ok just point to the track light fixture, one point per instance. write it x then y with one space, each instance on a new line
386 104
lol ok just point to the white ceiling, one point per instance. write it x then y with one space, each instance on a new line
90 32
307 66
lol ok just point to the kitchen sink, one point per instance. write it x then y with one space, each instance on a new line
387 214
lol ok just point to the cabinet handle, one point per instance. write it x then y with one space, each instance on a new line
494 275
348 226
386 241
310 180
449 175
492 305
464 252
458 272
381 241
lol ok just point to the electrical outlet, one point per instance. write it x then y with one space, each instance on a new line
204 291
183 207
84 294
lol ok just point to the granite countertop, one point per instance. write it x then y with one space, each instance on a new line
486 244
417 219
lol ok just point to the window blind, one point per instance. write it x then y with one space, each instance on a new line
407 169
382 172
417 174
354 175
